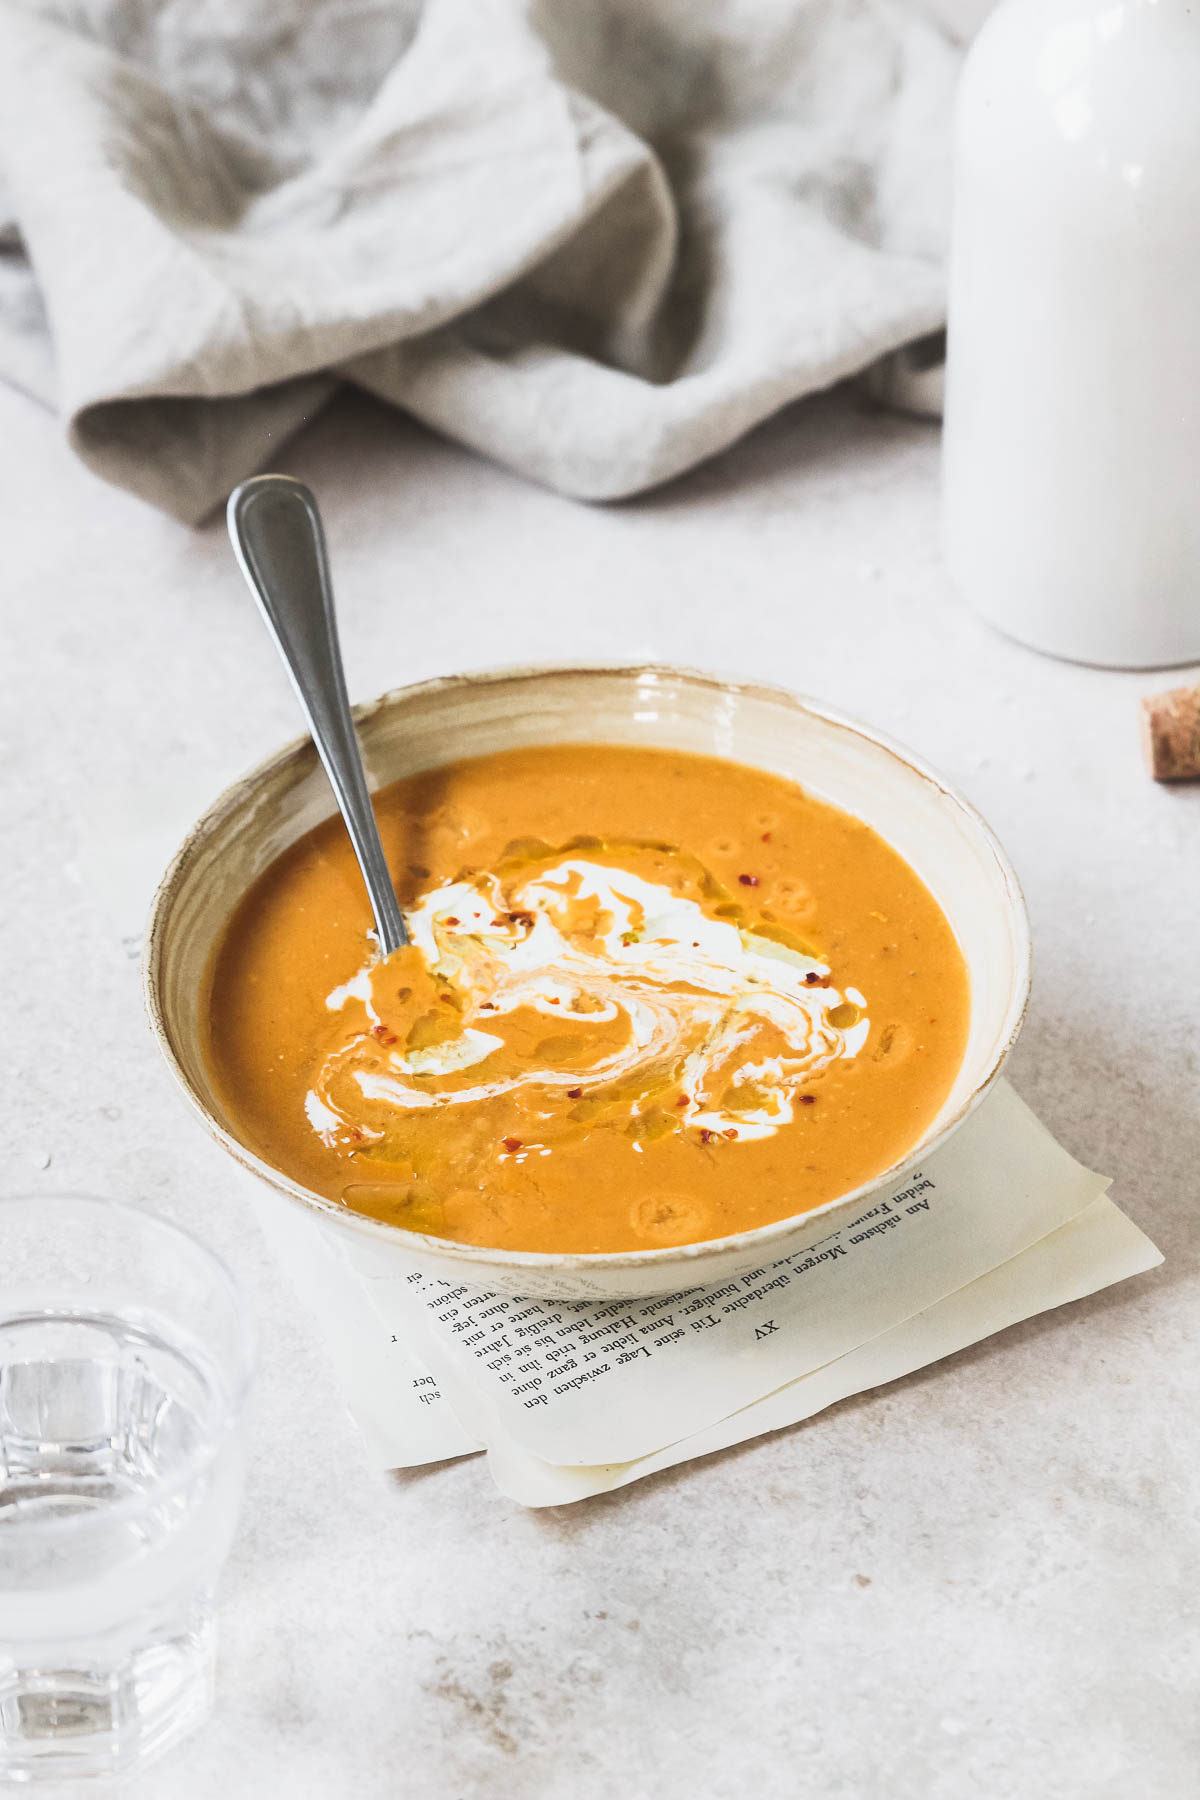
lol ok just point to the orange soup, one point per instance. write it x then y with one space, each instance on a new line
650 998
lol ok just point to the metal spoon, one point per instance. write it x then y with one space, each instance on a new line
280 545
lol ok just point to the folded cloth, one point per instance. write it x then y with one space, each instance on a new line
594 239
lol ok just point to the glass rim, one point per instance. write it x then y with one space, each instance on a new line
196 1462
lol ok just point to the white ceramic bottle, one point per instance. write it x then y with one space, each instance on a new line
1072 450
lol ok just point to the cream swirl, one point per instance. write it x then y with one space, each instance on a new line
647 994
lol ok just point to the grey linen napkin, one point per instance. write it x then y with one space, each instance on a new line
596 240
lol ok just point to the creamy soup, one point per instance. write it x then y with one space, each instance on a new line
650 998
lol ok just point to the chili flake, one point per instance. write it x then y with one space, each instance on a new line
511 1144
574 1093
748 880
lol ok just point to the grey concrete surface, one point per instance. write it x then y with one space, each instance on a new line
981 1581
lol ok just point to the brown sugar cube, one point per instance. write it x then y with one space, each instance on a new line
1171 733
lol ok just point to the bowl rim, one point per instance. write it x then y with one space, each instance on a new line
420 1244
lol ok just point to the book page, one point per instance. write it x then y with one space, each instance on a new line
1099 1247
398 1407
580 1383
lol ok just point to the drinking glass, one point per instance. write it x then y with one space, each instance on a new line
125 1356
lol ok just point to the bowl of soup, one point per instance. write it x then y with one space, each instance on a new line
695 967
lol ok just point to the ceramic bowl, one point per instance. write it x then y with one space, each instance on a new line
417 728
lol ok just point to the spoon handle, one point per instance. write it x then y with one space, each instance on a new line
280 545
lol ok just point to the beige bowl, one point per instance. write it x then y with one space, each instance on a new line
418 728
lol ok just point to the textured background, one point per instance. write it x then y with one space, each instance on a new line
980 1582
